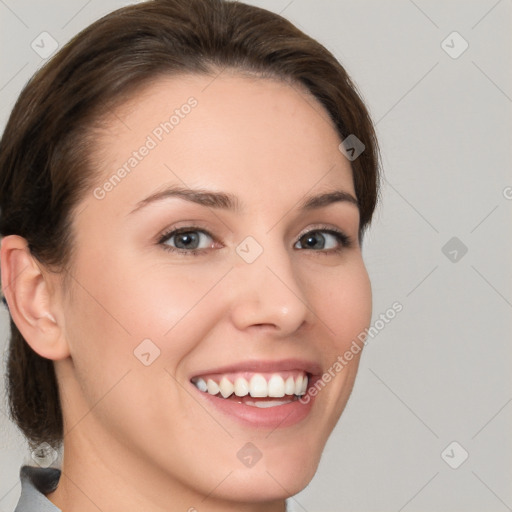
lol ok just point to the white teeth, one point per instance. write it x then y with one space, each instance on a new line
226 387
201 385
304 385
265 405
276 386
298 385
213 387
289 386
258 386
241 387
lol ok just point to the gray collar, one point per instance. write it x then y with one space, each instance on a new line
36 482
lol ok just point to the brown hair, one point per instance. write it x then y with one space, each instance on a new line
44 165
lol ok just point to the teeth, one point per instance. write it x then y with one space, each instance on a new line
201 385
289 386
265 405
298 385
241 387
304 386
257 387
213 387
276 386
226 387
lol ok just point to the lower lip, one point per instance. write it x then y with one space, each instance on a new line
279 416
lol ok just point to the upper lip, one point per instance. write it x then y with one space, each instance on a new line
265 366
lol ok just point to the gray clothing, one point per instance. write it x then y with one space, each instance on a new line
36 482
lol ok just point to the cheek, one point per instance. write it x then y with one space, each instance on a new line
175 304
344 303
127 301
123 302
114 311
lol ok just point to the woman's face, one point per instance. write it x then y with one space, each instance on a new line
257 288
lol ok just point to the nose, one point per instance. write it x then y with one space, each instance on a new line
268 293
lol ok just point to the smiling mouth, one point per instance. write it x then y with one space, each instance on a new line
260 389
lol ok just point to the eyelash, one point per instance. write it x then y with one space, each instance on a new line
344 240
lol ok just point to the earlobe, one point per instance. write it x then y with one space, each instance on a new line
29 296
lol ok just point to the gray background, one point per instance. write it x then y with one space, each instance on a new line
439 372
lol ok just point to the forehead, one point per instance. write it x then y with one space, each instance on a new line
251 136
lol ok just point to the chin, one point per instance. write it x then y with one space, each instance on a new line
268 483
283 470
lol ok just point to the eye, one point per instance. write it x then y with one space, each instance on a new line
188 240
325 240
193 241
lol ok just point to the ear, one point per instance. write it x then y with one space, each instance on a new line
28 291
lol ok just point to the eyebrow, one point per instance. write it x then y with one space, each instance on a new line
227 201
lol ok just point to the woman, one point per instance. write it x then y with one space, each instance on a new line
184 191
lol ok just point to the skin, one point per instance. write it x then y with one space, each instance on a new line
135 439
